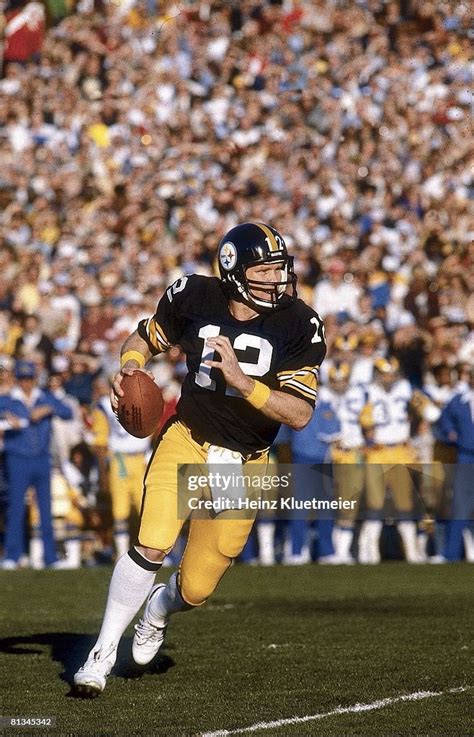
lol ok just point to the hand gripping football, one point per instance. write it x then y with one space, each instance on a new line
140 408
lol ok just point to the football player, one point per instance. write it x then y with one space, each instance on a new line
122 463
253 352
385 421
347 402
343 350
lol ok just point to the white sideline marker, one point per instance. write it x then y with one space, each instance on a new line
356 709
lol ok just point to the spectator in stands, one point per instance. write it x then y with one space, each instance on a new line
363 366
33 339
7 381
66 434
335 296
83 371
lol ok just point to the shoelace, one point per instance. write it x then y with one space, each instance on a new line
147 631
98 660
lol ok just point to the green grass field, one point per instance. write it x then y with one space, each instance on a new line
272 644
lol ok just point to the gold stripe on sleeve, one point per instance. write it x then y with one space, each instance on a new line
300 388
156 335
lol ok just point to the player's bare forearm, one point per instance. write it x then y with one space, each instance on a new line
294 412
135 343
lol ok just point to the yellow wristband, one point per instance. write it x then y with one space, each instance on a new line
259 395
133 356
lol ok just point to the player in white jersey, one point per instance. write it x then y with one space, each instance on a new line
347 402
122 460
440 387
385 420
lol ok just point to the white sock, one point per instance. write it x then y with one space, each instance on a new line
131 582
122 543
296 559
266 535
369 537
407 530
422 545
468 545
36 553
342 541
73 550
167 602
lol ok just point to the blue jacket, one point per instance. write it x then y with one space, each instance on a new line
457 421
33 439
314 442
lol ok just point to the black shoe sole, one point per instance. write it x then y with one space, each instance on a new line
84 691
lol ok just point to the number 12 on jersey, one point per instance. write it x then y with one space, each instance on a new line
241 343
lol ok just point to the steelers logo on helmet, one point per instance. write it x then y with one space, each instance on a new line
248 245
228 256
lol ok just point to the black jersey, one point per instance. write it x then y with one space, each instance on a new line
282 349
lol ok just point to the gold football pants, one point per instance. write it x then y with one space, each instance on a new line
387 465
349 477
212 543
126 483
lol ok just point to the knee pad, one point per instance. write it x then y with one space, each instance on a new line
198 581
229 548
159 537
231 541
194 592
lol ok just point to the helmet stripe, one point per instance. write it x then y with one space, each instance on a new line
271 238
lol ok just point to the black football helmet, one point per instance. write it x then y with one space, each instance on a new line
251 244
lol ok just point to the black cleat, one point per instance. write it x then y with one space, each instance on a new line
84 691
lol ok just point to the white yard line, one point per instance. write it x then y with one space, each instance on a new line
356 709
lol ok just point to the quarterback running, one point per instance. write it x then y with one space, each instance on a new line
253 352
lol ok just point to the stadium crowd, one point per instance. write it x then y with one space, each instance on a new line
139 132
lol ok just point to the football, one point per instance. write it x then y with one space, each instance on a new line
141 407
